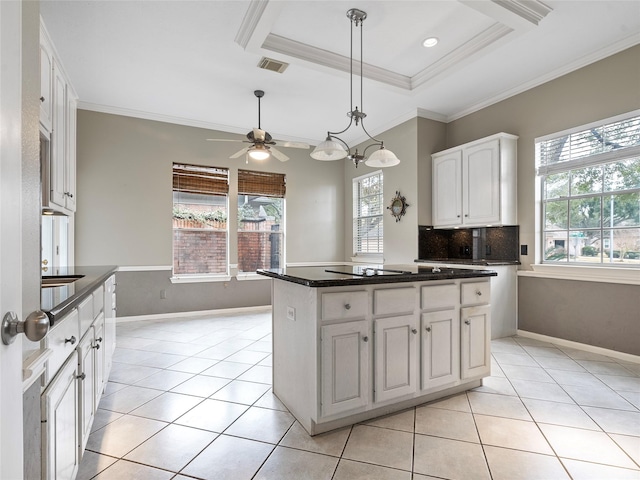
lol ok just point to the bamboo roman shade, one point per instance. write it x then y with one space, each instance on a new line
261 183
200 180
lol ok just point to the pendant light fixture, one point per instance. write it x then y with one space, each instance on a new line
334 148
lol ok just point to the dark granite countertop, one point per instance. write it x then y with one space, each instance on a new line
344 275
56 302
468 261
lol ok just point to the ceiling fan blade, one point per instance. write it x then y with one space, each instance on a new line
259 135
293 144
223 140
278 154
239 153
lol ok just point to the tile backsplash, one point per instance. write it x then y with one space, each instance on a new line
489 243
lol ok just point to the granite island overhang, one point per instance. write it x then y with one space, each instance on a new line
351 343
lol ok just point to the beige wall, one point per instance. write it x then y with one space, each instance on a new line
125 192
601 90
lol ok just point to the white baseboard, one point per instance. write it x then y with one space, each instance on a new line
168 316
627 357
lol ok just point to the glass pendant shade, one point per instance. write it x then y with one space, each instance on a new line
329 150
382 158
259 152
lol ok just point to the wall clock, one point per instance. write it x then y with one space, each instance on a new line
398 206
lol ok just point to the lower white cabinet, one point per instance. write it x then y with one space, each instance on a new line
73 390
440 348
60 420
395 347
475 341
345 367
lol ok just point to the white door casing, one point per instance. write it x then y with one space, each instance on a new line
11 439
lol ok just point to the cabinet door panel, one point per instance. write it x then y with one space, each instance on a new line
58 140
437 297
396 343
87 392
440 348
475 342
345 367
481 183
46 75
60 427
446 195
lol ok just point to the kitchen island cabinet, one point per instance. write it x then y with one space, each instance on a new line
352 346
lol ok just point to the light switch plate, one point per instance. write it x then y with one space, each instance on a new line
291 313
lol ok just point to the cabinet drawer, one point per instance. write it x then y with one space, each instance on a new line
475 293
62 340
394 301
85 311
343 305
439 297
98 301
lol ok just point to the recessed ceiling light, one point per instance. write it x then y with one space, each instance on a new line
430 42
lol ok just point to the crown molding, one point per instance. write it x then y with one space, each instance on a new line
462 53
531 10
318 56
250 22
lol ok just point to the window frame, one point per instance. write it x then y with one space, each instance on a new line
359 255
543 171
203 276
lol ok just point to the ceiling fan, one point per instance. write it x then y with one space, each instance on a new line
262 144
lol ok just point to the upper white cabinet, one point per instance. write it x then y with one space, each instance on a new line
475 184
58 107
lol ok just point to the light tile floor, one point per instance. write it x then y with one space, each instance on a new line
191 398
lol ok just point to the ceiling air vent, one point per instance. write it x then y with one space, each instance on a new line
273 65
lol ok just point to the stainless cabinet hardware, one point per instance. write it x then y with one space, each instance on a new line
348 306
96 346
42 99
365 339
82 376
428 329
414 331
467 322
35 326
71 340
99 339
478 293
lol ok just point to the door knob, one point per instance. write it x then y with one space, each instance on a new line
35 326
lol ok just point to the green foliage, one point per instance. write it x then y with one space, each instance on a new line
589 251
205 218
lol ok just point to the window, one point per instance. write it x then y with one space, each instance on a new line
367 214
200 220
590 192
260 220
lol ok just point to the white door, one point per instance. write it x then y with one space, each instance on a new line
440 348
345 367
481 184
446 195
10 236
396 342
475 337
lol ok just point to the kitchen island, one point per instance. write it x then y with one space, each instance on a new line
351 343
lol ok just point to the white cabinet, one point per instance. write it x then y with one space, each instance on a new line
86 376
58 107
475 338
475 184
345 367
60 419
395 347
46 84
109 341
440 348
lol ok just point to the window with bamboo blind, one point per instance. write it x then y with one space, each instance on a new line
260 220
200 211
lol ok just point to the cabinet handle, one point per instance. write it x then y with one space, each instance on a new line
96 346
414 331
478 293
365 339
458 216
82 376
71 340
428 329
99 339
42 99
467 322
348 306
466 214
69 194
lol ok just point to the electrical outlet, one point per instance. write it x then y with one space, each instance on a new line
524 249
291 314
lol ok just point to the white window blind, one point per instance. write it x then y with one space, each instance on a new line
367 214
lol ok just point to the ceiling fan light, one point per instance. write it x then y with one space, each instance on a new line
258 152
382 158
329 150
